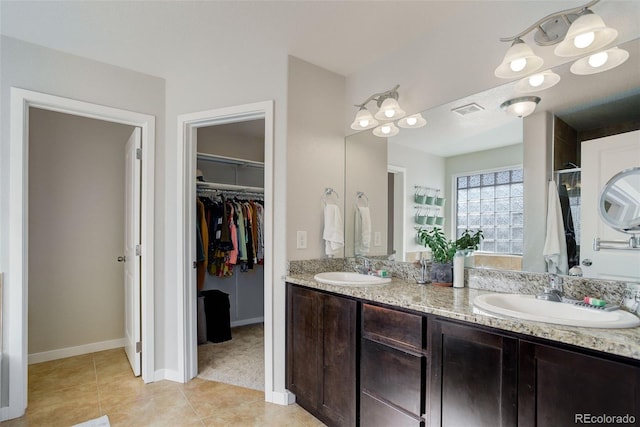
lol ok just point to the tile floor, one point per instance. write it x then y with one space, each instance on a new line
69 391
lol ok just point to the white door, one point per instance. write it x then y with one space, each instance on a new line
601 160
132 251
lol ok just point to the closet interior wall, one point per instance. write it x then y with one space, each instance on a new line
243 141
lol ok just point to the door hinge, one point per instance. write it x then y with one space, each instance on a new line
139 153
139 347
138 250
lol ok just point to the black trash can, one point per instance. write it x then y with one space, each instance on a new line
217 312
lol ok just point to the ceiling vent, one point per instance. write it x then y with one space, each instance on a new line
467 109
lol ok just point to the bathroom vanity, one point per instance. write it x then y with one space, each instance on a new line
403 354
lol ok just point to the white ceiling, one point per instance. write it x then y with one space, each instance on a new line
151 36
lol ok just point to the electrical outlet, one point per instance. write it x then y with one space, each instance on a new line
377 239
301 240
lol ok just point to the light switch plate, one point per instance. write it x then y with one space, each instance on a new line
377 239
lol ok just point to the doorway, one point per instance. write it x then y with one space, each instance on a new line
15 337
229 227
275 250
76 233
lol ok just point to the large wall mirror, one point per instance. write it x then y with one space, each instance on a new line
470 148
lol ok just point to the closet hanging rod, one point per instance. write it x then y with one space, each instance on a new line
231 193
229 160
231 187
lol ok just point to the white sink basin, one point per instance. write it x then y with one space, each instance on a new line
345 278
527 307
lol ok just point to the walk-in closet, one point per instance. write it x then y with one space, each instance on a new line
229 231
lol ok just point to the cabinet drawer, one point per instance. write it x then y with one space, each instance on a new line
393 326
393 375
375 413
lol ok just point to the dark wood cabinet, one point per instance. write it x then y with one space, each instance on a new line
392 367
381 366
322 354
560 387
473 376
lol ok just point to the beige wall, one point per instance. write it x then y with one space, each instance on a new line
76 230
366 162
315 152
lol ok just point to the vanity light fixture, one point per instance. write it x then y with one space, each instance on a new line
518 61
576 31
587 34
538 82
600 61
386 130
521 106
364 120
388 111
412 121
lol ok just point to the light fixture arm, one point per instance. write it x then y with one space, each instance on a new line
550 20
380 97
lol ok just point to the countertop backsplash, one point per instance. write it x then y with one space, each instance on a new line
478 278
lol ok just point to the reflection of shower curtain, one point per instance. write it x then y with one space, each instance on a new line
569 231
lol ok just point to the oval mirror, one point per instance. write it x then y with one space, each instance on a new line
620 201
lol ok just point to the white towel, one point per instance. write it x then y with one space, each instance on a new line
362 230
555 245
333 233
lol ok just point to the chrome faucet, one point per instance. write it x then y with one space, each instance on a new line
365 268
423 270
554 291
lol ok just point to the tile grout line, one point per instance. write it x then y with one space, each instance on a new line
191 406
95 372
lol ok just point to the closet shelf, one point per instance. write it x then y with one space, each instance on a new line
233 187
229 160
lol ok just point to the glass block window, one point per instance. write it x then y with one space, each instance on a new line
494 203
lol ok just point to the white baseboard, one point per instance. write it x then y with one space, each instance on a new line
169 375
280 398
247 321
61 353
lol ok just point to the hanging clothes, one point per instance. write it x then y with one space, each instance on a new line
234 231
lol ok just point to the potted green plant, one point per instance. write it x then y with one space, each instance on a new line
443 250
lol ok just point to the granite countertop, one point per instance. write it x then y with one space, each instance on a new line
457 303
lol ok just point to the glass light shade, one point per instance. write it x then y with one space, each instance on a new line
364 120
413 121
614 57
389 110
587 28
386 130
547 79
519 51
521 107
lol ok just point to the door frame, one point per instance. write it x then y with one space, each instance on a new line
15 331
273 272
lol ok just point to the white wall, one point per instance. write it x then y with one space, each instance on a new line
209 82
315 152
35 68
422 169
76 230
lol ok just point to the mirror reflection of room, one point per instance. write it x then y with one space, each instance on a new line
474 153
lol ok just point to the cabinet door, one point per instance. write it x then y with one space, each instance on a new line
473 378
304 345
560 387
321 354
339 326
